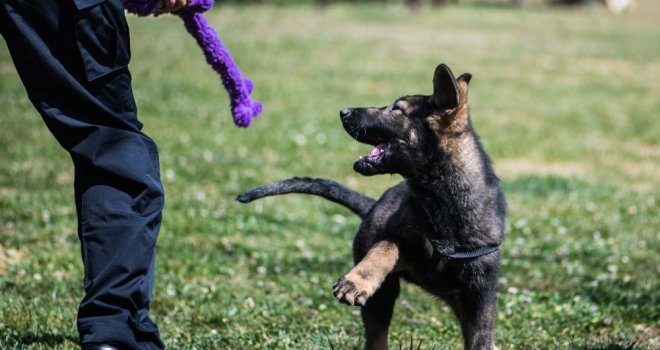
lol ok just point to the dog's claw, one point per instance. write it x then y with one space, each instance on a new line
361 299
346 293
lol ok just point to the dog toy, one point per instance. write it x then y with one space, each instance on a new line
239 88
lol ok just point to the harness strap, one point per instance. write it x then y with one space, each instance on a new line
456 255
465 255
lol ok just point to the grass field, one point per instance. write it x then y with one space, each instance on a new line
566 101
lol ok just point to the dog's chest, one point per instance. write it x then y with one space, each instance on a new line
395 214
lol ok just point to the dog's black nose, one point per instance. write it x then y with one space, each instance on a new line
345 112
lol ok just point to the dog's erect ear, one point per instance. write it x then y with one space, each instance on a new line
445 90
462 82
465 77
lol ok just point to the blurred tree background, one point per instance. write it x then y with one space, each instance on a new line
612 5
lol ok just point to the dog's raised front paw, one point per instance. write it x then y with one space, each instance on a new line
352 290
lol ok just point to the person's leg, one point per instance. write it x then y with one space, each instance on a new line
73 63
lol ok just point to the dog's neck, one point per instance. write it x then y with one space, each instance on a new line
458 164
450 190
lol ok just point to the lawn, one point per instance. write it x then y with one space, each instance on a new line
566 101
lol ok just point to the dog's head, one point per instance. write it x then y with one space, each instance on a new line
406 133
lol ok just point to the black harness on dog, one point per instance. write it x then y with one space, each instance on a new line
465 255
461 255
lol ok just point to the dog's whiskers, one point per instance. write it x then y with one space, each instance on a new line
356 131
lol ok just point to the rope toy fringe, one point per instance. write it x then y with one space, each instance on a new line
239 88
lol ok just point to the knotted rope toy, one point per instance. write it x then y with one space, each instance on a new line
239 88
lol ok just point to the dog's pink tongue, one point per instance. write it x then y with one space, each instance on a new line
377 150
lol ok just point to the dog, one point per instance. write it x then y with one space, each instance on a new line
440 228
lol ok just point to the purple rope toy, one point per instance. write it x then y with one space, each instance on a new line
239 88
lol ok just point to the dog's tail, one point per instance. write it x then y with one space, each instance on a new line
328 189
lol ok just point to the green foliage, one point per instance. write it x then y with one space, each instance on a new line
566 103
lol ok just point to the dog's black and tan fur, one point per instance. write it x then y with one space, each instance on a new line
428 229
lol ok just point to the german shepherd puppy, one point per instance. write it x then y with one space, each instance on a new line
440 228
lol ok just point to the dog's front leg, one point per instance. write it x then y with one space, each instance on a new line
357 286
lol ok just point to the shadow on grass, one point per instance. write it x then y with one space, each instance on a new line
48 340
629 298
542 185
610 345
410 344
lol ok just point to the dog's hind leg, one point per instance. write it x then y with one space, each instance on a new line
377 313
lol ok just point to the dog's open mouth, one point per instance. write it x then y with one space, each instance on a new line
370 132
373 162
376 153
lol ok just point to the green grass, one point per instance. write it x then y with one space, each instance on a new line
565 100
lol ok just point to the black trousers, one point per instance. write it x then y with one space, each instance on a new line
73 61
